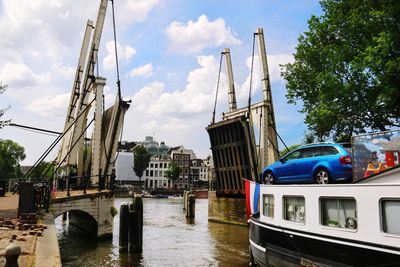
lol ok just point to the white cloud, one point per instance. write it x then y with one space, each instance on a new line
273 64
131 11
196 36
124 54
145 71
50 105
19 75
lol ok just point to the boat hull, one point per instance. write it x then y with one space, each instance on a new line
276 246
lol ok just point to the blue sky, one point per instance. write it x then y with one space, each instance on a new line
169 56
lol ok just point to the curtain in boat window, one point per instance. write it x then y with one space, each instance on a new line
294 208
269 205
391 216
339 212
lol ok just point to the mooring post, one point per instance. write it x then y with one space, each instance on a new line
186 195
123 226
191 203
11 254
136 224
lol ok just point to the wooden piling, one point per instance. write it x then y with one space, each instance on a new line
191 203
123 226
136 225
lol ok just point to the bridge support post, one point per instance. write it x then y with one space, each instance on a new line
136 225
123 226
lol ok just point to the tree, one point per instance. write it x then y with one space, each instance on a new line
347 68
173 172
141 159
43 170
2 111
10 155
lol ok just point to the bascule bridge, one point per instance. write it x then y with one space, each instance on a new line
242 143
84 167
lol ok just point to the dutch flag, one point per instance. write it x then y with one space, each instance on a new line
252 197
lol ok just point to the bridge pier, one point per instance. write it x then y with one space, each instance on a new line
91 212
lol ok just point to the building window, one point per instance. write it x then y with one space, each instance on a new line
294 208
268 207
151 173
161 174
147 173
151 165
155 173
390 212
338 212
156 165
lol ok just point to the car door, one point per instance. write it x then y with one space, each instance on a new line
311 157
285 170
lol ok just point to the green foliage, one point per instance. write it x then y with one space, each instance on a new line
173 172
347 68
141 160
10 155
2 111
309 137
43 170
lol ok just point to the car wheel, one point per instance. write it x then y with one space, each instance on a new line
322 176
269 178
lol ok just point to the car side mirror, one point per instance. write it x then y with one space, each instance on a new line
282 160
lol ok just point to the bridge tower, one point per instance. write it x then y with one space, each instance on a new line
239 153
83 161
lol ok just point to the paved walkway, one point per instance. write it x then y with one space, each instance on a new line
35 250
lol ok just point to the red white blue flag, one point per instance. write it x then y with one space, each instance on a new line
252 197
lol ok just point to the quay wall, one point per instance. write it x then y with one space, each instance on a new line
226 210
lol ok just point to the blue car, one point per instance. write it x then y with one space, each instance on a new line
320 163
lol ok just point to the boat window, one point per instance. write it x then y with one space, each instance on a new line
294 208
339 212
269 205
390 212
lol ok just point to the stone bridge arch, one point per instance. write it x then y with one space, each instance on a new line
89 212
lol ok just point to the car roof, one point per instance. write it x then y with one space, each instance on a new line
318 144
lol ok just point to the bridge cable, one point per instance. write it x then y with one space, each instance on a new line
55 142
116 50
74 144
249 102
216 92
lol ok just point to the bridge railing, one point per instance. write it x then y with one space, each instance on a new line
76 183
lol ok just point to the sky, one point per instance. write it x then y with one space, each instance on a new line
169 53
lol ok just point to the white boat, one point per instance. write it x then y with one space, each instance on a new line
328 225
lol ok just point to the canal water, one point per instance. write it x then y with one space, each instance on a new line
169 239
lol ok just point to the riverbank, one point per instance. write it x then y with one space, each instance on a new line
38 241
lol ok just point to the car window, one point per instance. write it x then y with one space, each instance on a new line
293 155
329 150
347 147
310 152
